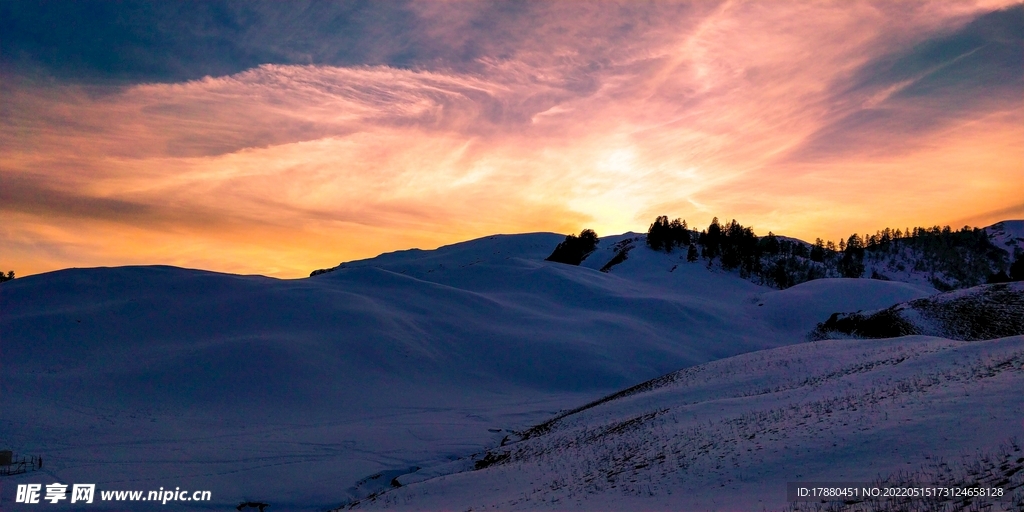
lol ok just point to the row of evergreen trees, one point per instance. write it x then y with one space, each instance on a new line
735 247
955 258
6 277
952 258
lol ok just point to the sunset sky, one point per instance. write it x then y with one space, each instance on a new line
280 137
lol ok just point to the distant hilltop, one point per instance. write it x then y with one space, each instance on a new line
938 256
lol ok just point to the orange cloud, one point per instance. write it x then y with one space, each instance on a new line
809 120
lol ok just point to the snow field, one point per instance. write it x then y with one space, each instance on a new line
300 392
729 434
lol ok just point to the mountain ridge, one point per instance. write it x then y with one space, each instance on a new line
908 264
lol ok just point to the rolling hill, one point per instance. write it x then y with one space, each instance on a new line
310 393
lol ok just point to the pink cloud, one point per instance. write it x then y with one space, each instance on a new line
605 116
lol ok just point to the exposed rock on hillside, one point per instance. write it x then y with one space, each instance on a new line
979 313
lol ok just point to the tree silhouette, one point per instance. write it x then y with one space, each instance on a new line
575 249
691 253
657 234
666 235
1017 269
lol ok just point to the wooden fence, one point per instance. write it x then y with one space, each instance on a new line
11 465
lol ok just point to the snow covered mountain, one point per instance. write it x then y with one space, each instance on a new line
310 393
939 257
947 260
1008 234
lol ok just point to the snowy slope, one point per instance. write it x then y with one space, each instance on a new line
729 435
801 307
947 265
294 391
978 313
1008 235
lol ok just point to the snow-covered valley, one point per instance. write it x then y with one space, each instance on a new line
409 368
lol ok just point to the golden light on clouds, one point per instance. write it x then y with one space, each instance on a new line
804 119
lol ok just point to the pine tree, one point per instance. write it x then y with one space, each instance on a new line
712 239
658 234
575 249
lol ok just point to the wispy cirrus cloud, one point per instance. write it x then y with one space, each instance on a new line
509 117
967 74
